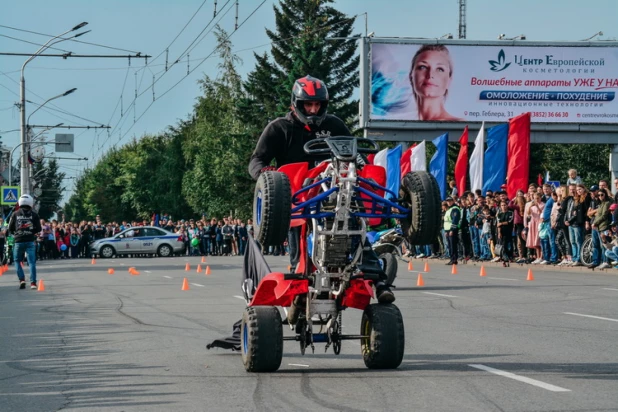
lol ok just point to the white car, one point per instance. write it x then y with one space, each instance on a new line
139 240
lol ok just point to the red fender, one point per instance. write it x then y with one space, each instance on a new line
358 294
274 290
378 174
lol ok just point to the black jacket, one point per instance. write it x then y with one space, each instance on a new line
24 226
283 140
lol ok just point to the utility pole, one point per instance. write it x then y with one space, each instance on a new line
462 19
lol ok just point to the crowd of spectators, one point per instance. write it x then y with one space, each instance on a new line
571 225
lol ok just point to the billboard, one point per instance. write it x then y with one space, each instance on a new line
437 82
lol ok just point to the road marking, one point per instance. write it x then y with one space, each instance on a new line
169 277
298 364
514 280
590 316
147 271
519 378
440 294
609 289
197 284
239 297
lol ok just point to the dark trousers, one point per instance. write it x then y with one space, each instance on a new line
453 239
294 245
467 241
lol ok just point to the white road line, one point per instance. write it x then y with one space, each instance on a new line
169 277
609 289
197 284
440 294
514 280
147 271
298 364
590 316
519 378
239 297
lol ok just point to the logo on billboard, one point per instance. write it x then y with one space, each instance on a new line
498 66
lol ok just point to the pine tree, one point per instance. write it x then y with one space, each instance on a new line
50 180
300 48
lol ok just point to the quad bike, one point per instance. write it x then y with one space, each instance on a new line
332 204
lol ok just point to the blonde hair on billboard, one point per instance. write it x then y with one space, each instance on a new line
423 49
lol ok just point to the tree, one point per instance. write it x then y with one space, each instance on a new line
218 145
300 48
51 183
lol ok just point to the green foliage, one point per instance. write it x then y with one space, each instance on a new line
52 185
590 160
300 48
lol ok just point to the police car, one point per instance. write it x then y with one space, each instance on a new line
139 240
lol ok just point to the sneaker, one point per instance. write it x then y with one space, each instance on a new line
32 285
22 284
577 264
603 265
384 294
543 262
496 259
420 256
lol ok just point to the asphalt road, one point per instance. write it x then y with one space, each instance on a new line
94 341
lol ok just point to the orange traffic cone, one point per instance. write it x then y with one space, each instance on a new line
199 268
207 270
131 269
93 261
134 272
410 267
187 267
453 269
185 284
110 271
426 267
6 267
420 282
41 287
289 268
530 275
203 259
483 271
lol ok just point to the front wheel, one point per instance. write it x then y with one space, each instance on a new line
385 342
107 252
261 334
272 205
421 194
389 266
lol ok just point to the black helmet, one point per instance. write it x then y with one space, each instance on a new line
306 89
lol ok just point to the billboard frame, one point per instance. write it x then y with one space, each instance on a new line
407 131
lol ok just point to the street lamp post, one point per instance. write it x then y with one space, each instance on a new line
25 183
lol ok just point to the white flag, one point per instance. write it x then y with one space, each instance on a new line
476 161
418 158
380 159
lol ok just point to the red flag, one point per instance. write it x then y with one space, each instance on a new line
461 166
539 179
518 154
405 161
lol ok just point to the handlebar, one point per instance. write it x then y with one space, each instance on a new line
344 146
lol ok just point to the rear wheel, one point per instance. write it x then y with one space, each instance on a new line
586 252
389 266
421 194
165 251
272 208
385 344
261 334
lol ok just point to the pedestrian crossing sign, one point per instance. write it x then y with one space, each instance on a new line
10 194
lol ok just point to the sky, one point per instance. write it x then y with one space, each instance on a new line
106 87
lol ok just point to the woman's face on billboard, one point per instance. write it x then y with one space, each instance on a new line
431 76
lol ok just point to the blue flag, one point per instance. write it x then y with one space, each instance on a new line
439 162
494 173
393 170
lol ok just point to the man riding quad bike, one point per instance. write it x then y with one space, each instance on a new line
324 212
